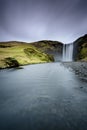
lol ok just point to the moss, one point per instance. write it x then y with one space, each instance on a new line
81 48
83 53
23 53
47 46
11 62
38 55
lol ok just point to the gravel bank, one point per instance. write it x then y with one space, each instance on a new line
80 68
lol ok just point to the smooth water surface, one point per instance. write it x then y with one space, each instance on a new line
42 97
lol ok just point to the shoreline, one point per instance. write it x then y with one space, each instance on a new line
80 69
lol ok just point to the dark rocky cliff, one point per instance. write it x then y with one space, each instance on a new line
80 49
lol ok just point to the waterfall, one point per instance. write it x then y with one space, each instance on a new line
68 52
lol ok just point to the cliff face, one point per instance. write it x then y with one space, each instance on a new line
80 49
54 48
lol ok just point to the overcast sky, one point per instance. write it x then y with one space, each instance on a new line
34 20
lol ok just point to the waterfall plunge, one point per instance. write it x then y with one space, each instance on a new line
68 52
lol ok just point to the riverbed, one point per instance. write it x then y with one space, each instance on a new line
42 97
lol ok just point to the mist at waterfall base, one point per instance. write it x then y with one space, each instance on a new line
67 52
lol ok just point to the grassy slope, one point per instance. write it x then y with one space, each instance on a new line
24 53
81 46
48 45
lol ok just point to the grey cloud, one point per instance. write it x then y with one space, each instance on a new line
32 20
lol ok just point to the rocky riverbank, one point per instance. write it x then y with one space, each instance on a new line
80 69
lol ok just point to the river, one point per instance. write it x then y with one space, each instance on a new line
42 97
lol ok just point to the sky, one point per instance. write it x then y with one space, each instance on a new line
35 20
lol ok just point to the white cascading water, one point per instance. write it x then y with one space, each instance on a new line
68 52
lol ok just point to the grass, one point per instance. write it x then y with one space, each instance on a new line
11 62
81 44
83 53
23 53
47 45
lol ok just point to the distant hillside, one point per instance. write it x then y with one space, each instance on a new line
47 45
80 48
14 54
54 48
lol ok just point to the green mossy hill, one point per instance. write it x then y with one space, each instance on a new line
47 45
14 54
34 53
11 62
81 48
